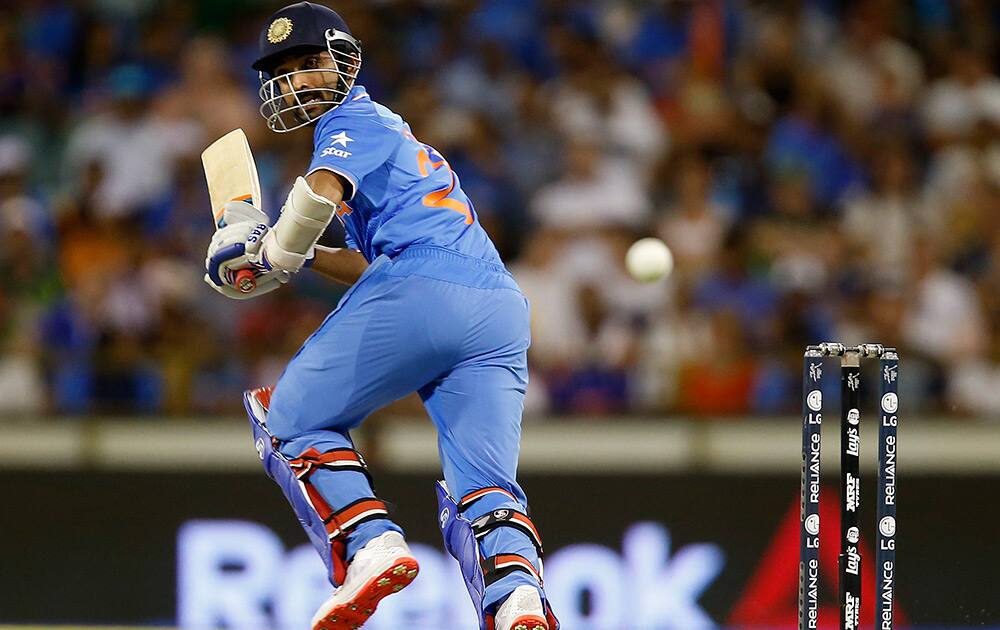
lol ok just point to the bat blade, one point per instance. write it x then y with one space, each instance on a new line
231 173
232 176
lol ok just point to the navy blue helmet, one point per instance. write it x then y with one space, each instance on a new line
301 96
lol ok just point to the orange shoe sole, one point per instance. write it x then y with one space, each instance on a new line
354 614
529 622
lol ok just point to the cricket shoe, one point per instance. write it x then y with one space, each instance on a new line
382 567
521 611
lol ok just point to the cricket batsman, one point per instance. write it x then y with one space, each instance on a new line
430 308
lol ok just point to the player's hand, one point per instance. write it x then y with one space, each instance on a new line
263 253
266 255
227 256
236 247
241 212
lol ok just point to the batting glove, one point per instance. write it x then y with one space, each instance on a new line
236 247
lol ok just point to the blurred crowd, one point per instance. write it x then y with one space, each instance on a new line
822 170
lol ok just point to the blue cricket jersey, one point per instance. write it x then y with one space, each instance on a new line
402 192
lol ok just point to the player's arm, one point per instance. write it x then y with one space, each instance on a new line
285 247
339 264
327 184
291 241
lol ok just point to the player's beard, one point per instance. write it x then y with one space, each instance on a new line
286 107
307 105
310 111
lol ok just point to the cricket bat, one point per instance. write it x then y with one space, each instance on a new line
232 176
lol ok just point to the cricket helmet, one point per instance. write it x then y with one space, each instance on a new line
300 28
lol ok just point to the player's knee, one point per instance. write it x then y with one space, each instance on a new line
281 425
287 420
291 427
293 415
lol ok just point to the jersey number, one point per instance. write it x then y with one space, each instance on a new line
439 198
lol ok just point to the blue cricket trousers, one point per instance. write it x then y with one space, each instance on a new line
451 327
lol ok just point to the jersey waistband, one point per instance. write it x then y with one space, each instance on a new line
444 264
443 253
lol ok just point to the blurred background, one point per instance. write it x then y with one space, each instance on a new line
821 170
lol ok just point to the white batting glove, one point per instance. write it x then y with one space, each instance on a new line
263 253
241 212
266 254
236 247
290 244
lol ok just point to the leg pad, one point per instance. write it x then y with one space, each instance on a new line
461 540
326 528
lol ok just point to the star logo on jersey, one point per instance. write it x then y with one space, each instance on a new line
340 138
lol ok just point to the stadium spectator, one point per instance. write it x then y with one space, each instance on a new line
819 169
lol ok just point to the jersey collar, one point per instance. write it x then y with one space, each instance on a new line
357 93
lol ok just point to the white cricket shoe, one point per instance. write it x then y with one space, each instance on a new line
522 611
382 567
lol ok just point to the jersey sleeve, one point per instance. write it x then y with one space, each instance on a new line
352 147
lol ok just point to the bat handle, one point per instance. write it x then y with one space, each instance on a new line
245 281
